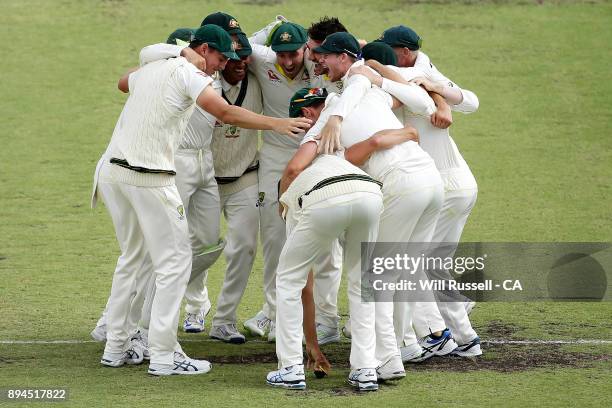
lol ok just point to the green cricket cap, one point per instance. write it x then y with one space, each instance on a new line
244 47
380 52
305 97
288 37
182 34
338 43
402 36
217 38
225 21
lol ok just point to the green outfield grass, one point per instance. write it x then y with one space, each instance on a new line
539 147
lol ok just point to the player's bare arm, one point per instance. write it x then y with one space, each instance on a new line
360 152
123 83
195 58
442 118
375 78
214 104
451 94
316 360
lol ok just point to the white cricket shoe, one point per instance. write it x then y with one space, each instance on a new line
272 332
183 365
291 377
346 329
99 333
364 379
393 369
438 346
194 322
258 324
131 356
470 349
326 334
140 342
413 353
227 333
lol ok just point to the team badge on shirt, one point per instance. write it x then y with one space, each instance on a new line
273 77
181 211
232 132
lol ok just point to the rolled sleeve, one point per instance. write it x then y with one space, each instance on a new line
469 104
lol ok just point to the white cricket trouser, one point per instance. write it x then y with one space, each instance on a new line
459 200
272 163
412 203
242 217
327 276
147 221
195 181
355 214
143 270
144 277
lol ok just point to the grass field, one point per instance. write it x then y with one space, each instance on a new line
539 147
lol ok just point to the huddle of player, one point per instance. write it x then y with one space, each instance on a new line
376 164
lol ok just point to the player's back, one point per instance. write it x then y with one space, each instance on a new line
373 114
328 176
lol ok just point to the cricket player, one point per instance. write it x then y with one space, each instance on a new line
322 199
281 72
236 163
316 35
200 183
420 314
460 188
135 178
199 193
412 185
144 286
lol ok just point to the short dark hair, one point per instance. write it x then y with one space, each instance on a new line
195 44
324 27
315 104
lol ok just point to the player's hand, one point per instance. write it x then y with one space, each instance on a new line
442 118
330 136
318 362
195 58
428 84
292 126
368 73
